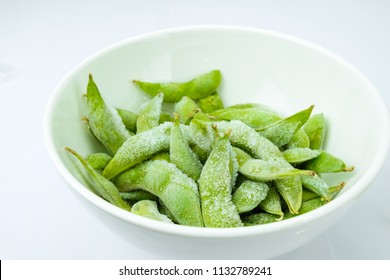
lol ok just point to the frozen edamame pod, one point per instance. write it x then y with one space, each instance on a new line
281 132
139 148
317 185
149 115
299 155
148 209
210 103
307 206
163 209
163 179
315 129
334 190
138 195
327 163
200 136
104 121
215 186
101 186
181 154
261 170
248 195
272 204
299 140
186 108
259 219
98 160
253 116
197 88
129 119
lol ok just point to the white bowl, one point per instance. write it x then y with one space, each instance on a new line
280 71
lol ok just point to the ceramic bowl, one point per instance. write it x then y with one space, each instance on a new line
280 71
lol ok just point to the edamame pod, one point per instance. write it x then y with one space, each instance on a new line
101 186
148 209
210 103
163 179
215 186
104 121
248 195
253 116
129 119
181 154
334 190
281 132
299 140
149 115
307 206
197 88
259 219
272 204
98 160
317 185
138 195
299 155
139 148
327 163
315 129
186 108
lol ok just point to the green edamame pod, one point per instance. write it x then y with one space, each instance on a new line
272 204
241 156
259 219
210 103
261 170
149 116
129 119
138 195
249 195
317 185
197 88
163 209
101 186
181 154
307 206
148 209
163 179
327 163
299 140
139 148
281 132
98 160
299 155
334 190
215 186
104 121
200 136
254 116
315 129
186 108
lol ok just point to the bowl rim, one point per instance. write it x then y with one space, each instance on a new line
178 230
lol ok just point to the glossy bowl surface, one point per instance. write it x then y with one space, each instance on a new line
280 71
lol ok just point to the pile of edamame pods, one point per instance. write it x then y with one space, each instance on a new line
204 164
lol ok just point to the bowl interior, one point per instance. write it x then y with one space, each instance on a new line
283 73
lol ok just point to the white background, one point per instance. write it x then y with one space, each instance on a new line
42 40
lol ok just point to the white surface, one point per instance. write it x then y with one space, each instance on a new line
42 40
